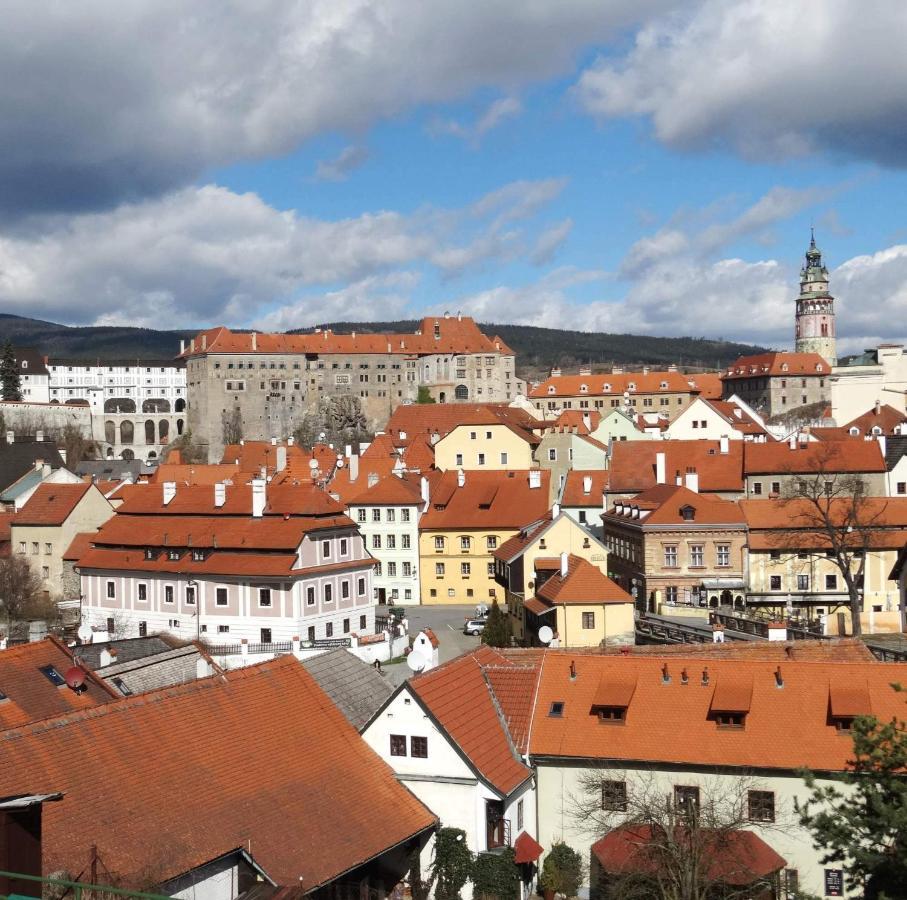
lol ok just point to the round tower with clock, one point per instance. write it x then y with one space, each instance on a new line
815 326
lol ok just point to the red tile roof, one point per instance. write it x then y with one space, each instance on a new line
79 546
777 457
513 547
306 818
663 505
514 689
799 512
836 650
32 696
497 500
887 419
779 363
786 727
218 563
733 857
52 504
197 473
574 495
577 418
458 696
584 583
632 467
526 849
738 418
389 491
614 385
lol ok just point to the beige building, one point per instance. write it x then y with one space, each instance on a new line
46 526
778 382
489 444
876 376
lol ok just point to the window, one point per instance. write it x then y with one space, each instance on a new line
459 461
831 582
503 459
376 542
519 815
168 593
398 745
344 546
481 459
346 626
671 557
776 487
223 629
392 570
111 590
329 630
34 548
757 488
360 587
326 549
404 515
724 554
439 543
671 593
265 635
190 596
491 570
609 714
173 554
556 710
361 622
466 569
588 620
360 515
328 593
774 582
311 633
391 515
730 719
48 549
465 543
344 590
902 489
582 516
491 542
803 582
439 569
761 805
697 555
552 454
791 884
376 515
614 796
392 542
418 747
264 596
404 541
52 675
686 798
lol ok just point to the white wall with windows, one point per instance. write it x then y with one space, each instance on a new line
391 535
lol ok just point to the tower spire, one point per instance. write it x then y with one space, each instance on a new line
815 322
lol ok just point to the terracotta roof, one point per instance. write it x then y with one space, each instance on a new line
495 499
79 546
30 695
577 418
574 495
305 818
734 858
218 563
709 385
441 418
887 418
786 727
52 504
456 335
798 512
614 385
514 689
513 547
739 419
458 696
389 491
197 473
584 583
664 505
526 849
777 457
835 650
632 466
777 363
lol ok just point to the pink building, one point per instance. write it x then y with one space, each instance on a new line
229 562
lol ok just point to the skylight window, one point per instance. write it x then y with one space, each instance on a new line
52 675
556 710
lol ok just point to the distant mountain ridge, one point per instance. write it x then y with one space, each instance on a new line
537 349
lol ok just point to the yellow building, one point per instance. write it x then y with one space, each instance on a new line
581 605
489 445
515 560
470 514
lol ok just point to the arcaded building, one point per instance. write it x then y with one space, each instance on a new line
275 379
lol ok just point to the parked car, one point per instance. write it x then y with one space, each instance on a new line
474 626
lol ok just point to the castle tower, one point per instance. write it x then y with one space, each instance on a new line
815 327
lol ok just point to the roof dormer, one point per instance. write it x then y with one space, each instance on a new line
731 701
612 699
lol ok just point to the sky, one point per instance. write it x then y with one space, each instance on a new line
641 166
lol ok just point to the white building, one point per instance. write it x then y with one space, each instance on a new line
718 419
876 376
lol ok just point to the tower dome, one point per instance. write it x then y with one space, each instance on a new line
815 320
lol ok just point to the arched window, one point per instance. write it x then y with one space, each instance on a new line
180 405
461 392
157 405
127 454
119 405
163 430
149 431
179 426
110 432
127 432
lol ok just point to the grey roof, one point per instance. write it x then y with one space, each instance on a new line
19 458
114 469
128 649
356 688
149 673
895 448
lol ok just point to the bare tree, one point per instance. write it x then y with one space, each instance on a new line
76 446
190 452
22 597
231 424
832 517
685 844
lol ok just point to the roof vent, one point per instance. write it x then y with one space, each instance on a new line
779 681
665 674
705 675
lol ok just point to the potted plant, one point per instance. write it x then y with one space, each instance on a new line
562 872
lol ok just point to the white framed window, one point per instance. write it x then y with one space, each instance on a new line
264 596
111 590
220 596
465 542
465 569
310 596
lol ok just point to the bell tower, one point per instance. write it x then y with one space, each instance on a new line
815 324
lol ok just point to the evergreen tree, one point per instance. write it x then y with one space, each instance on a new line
497 628
424 395
864 826
9 374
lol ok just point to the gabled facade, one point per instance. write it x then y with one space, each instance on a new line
715 419
778 382
490 445
583 498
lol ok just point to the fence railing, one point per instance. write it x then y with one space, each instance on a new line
81 890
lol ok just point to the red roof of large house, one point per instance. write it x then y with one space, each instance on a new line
254 757
583 583
885 417
494 499
614 385
777 457
387 491
779 362
786 727
633 464
664 504
52 504
574 493
29 694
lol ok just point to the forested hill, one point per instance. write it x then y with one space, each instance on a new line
537 349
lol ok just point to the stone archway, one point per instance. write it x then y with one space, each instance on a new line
127 432
110 432
727 598
156 405
149 431
163 430
119 405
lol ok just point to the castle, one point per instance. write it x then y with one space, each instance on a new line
815 322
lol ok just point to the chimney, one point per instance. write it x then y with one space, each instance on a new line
535 478
724 444
39 436
587 484
354 467
402 435
587 421
565 565
645 370
281 458
273 441
678 478
692 480
461 478
424 490
182 346
372 479
878 407
108 657
169 491
259 497
220 494
10 437
347 450
792 443
291 441
556 372
254 342
555 511
263 473
660 463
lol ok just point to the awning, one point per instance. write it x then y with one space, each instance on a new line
537 607
526 849
723 584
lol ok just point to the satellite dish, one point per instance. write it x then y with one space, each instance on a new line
340 463
75 677
313 464
546 635
84 633
416 661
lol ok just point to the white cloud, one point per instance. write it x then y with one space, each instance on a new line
768 78
104 101
497 112
550 241
204 255
348 160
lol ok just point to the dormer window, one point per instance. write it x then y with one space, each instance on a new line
730 719
612 699
173 554
663 385
551 389
606 388
844 724
611 714
631 386
730 701
150 553
784 367
845 703
556 710
198 555
688 513
819 367
584 388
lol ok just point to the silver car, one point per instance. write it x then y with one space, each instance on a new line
474 626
